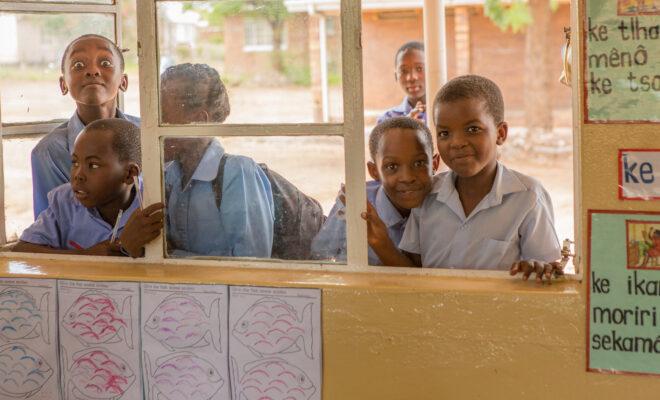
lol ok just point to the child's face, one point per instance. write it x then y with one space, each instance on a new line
468 136
92 72
403 166
98 177
410 74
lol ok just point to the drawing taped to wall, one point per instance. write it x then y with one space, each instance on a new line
270 378
182 376
23 372
180 321
21 317
94 318
272 326
97 374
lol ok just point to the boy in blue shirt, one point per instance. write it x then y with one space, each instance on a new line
409 74
480 214
236 219
101 203
401 167
93 73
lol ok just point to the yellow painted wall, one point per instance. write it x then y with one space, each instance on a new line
396 336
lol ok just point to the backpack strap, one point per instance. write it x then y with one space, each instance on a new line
219 179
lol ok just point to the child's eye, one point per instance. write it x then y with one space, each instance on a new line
420 69
391 167
93 166
78 65
443 134
473 129
106 63
75 164
420 163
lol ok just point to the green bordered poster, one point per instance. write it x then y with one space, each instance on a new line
621 61
623 326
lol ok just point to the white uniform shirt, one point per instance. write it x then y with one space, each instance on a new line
513 221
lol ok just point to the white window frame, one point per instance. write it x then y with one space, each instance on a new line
36 128
262 47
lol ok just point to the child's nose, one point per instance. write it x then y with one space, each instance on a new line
406 175
93 71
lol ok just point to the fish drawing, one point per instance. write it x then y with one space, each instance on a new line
22 371
97 374
270 379
182 376
21 317
94 318
271 326
180 322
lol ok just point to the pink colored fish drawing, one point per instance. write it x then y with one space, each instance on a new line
21 317
270 379
182 376
271 326
180 322
98 374
94 318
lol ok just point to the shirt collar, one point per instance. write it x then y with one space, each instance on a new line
404 107
75 126
386 210
207 169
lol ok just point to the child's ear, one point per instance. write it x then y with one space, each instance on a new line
202 116
63 88
502 132
133 170
436 162
123 85
373 170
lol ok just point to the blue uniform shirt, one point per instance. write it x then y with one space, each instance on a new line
330 242
401 110
242 227
51 159
67 223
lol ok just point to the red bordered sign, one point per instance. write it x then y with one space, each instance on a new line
639 174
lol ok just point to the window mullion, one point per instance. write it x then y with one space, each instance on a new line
148 66
356 230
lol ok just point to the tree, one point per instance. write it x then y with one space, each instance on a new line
273 11
534 16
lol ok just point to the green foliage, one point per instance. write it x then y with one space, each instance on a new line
516 15
297 73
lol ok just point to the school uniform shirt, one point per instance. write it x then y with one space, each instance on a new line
67 224
330 242
401 110
51 159
514 221
242 227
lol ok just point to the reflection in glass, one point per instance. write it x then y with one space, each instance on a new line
30 56
266 53
220 203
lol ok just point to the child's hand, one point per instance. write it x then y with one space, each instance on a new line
376 230
541 269
417 111
105 248
142 227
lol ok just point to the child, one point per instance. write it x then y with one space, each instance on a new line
409 73
480 214
93 72
83 217
400 165
235 219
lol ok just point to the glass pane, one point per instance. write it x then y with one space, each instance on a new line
129 43
279 64
73 1
18 185
238 208
30 58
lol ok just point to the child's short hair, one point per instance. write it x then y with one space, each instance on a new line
414 45
196 75
399 123
473 87
113 47
125 138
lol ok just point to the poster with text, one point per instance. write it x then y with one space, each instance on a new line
184 341
99 340
622 60
28 339
275 343
624 292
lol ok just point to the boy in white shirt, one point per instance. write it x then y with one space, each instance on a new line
480 214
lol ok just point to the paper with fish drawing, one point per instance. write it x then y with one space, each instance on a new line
184 341
275 343
99 340
28 339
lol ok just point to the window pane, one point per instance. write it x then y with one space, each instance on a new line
237 208
30 56
278 63
18 185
